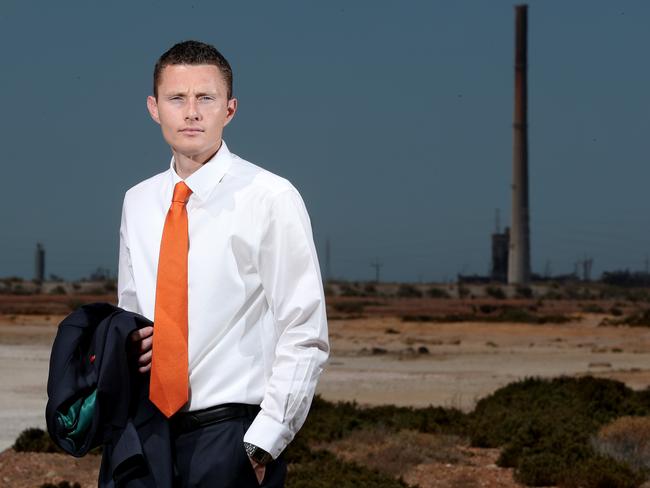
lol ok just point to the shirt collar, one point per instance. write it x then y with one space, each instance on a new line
206 178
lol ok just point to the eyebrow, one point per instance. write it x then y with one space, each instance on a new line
198 94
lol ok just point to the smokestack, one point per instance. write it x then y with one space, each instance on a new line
519 255
39 265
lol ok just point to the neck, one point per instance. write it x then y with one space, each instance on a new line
186 165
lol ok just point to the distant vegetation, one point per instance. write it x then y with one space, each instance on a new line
570 432
637 319
492 313
545 428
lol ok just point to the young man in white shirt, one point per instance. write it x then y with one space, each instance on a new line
256 324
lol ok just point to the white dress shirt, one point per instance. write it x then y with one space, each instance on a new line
257 329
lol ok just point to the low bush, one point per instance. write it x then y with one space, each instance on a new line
435 292
524 292
348 291
505 314
370 289
62 484
463 291
350 307
328 421
616 312
600 472
626 439
487 308
58 290
639 319
395 453
322 469
406 290
545 426
592 308
35 440
495 292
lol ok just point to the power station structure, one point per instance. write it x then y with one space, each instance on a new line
500 245
39 263
519 248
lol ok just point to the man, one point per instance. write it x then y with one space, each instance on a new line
219 254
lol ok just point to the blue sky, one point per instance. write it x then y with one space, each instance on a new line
393 119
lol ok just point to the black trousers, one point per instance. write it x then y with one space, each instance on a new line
213 456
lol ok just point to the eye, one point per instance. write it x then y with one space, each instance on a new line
206 98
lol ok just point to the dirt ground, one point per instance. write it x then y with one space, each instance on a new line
375 360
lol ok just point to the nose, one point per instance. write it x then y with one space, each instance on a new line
192 112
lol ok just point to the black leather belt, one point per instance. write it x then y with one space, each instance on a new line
187 421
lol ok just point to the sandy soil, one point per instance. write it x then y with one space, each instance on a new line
375 361
25 343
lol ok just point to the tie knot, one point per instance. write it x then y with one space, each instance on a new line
182 192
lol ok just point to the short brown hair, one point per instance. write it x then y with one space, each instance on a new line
193 53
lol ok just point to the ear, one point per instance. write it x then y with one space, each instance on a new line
230 111
152 106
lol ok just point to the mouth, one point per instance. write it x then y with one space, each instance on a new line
191 130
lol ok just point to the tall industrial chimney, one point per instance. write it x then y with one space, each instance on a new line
39 264
519 255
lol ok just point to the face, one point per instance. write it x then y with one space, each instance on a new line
192 109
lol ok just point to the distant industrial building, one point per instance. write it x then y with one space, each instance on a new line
500 247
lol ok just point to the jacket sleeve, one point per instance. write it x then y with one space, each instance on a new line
126 293
290 274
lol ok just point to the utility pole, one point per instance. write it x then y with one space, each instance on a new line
377 264
586 266
547 269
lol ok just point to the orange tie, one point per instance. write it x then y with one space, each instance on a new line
169 377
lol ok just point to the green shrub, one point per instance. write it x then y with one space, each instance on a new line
35 440
495 292
435 292
600 472
487 308
349 291
539 469
322 469
616 312
422 318
62 484
506 314
592 308
524 292
639 319
407 290
545 426
329 421
350 307
370 289
58 290
463 291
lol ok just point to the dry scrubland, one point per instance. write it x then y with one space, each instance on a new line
419 346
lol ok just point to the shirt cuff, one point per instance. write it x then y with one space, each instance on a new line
268 434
